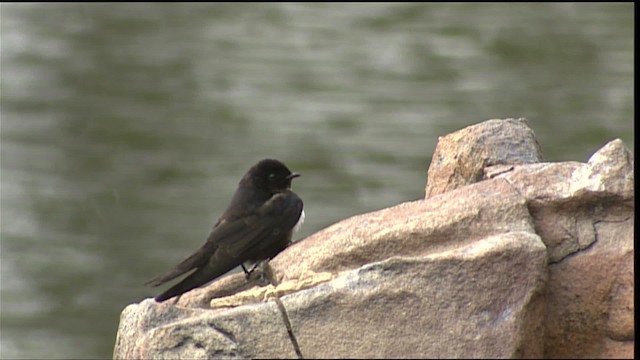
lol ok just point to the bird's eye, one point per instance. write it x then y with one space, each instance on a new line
272 177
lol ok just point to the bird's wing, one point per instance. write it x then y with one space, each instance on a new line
277 215
229 240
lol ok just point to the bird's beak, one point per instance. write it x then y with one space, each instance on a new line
292 175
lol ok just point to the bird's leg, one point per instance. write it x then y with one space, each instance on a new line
247 273
177 299
255 266
265 271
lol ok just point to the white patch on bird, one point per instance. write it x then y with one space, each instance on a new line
300 221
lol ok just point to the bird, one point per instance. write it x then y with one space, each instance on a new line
256 226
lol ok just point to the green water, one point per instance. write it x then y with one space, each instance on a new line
125 127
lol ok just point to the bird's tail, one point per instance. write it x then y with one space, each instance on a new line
190 282
197 260
200 277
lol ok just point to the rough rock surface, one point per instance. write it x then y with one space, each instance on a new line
417 227
462 157
491 288
459 274
149 330
584 213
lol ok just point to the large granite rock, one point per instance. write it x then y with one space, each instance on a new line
404 306
506 257
483 299
413 228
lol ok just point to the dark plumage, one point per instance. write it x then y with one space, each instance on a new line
256 226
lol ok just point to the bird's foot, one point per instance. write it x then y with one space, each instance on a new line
247 273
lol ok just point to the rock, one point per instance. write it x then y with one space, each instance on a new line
461 157
584 213
563 221
610 173
412 228
485 298
165 331
582 289
611 349
482 300
459 274
620 324
224 287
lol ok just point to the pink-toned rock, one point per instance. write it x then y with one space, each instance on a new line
584 213
620 325
414 228
461 157
459 274
579 292
150 330
483 299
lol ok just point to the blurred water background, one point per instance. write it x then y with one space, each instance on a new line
125 127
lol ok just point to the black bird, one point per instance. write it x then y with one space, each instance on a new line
256 226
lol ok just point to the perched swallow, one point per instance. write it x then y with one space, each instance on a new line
256 226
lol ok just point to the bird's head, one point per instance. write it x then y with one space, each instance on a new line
270 175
